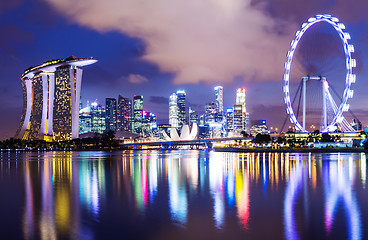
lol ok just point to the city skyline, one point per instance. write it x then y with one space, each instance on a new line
129 65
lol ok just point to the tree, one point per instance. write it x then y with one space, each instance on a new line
326 138
244 134
262 138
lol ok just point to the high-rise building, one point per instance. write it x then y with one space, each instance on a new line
124 114
238 119
181 107
51 97
98 118
85 121
149 123
137 114
193 116
173 111
210 113
241 100
229 119
219 99
110 107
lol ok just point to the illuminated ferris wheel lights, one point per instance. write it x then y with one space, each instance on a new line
350 93
352 78
350 64
341 26
351 48
347 36
335 19
346 107
353 63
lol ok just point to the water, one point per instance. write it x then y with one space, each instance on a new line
183 194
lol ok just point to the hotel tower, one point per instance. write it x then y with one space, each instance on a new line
51 97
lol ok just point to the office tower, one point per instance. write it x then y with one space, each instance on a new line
210 112
137 114
241 100
110 106
238 119
98 118
149 123
85 121
202 120
181 107
229 119
219 99
173 111
124 114
193 116
51 97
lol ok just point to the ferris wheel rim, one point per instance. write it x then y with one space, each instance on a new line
349 79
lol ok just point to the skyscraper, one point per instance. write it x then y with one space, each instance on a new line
241 100
173 111
181 107
193 116
229 119
98 118
238 119
149 123
210 113
219 99
85 121
124 114
137 114
51 96
110 106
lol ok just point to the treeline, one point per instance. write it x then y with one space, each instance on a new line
99 141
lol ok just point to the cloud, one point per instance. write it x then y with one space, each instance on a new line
159 100
9 4
207 41
136 78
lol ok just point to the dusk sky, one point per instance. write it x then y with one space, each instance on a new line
154 48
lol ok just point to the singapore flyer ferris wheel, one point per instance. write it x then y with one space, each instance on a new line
328 123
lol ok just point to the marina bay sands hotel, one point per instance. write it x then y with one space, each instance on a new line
51 97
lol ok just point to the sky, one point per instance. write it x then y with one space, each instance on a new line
154 48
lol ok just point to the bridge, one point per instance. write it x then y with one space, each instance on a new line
205 143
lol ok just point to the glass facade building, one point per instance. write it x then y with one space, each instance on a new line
137 114
98 118
181 95
219 96
238 119
124 114
173 111
110 105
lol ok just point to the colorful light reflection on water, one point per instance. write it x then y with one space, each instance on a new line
189 194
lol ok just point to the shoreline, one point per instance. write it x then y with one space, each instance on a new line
216 149
292 150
